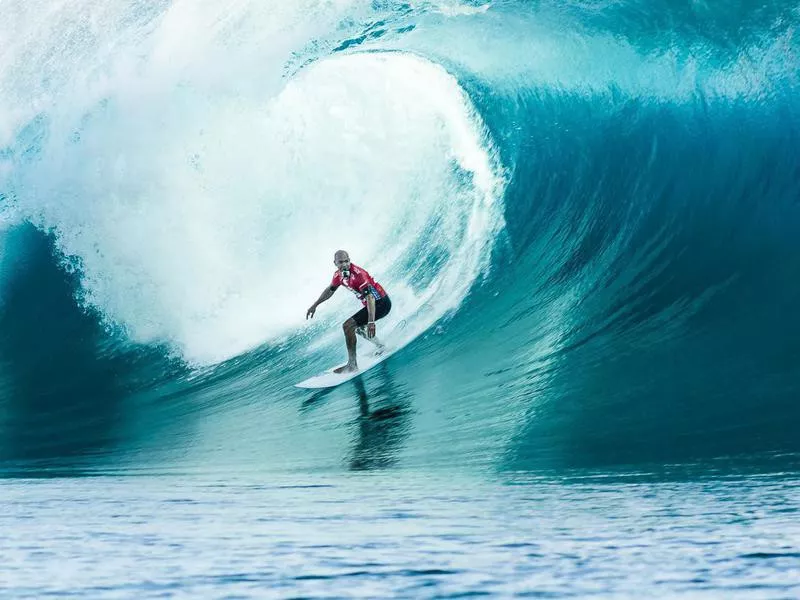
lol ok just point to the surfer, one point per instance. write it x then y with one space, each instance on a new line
374 298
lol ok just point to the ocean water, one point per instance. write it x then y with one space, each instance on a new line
401 536
586 214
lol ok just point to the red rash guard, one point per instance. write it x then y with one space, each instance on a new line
360 283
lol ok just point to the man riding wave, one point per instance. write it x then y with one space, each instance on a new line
374 298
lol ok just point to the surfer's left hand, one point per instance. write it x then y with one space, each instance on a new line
370 330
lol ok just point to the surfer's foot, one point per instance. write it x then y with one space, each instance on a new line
348 368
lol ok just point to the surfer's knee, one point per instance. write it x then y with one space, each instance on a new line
349 325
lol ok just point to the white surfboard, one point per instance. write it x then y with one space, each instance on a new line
365 363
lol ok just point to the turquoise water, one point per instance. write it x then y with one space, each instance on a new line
412 536
585 214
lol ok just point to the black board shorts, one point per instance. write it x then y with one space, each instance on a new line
382 308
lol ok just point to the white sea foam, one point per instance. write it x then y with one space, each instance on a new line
201 196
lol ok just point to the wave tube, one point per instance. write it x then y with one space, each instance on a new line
197 223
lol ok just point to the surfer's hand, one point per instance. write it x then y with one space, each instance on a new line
310 312
370 330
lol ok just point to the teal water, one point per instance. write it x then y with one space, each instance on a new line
585 213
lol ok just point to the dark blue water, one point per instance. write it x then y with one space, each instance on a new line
586 216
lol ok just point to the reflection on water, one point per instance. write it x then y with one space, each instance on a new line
383 424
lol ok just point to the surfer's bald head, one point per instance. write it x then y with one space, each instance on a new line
342 261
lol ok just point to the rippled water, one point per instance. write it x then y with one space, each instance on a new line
401 536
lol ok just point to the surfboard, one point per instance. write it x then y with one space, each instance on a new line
330 379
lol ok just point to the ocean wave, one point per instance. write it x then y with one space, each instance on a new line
588 224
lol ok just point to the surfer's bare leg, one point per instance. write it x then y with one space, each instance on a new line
349 327
362 331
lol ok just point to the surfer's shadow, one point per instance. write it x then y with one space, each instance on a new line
386 397
383 424
384 418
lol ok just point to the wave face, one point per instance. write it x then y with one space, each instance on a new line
586 217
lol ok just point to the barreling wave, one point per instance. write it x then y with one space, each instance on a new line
587 225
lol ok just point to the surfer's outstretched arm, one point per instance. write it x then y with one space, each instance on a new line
322 298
